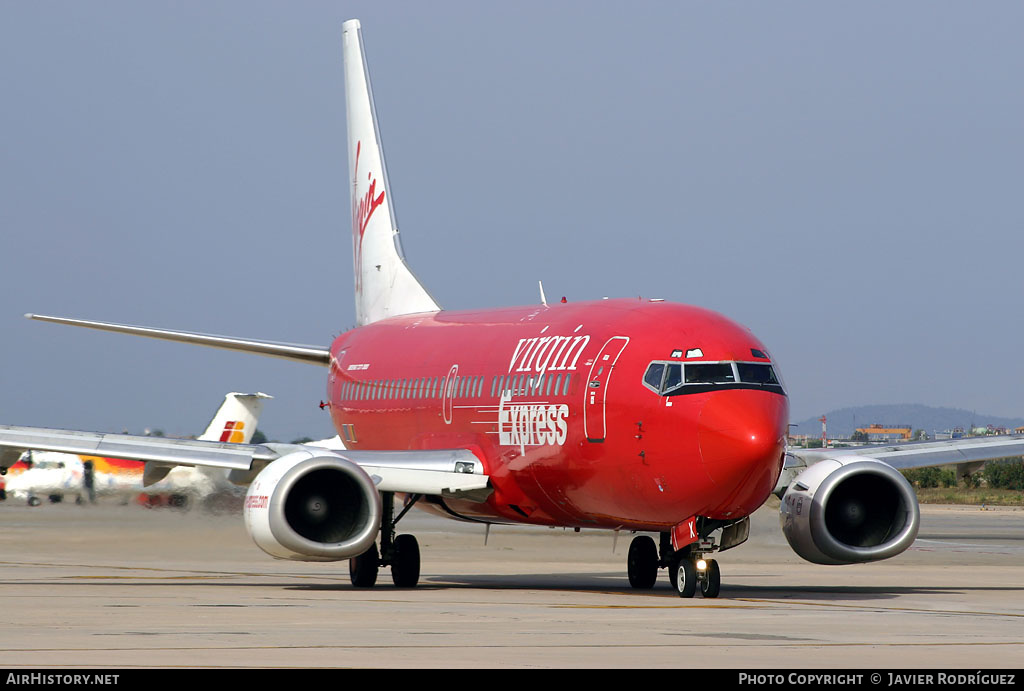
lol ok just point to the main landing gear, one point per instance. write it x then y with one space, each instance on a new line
401 552
688 568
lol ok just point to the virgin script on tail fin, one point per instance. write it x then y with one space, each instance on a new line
384 284
362 210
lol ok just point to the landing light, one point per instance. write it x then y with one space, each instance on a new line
701 565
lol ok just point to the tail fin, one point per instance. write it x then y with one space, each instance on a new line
235 420
385 287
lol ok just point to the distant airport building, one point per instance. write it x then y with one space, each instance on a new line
878 432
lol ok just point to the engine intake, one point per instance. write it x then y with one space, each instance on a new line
309 507
850 511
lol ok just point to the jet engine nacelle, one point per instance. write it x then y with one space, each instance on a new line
313 506
849 511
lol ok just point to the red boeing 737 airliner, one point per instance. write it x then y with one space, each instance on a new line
640 415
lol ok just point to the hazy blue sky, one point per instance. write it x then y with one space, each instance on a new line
851 173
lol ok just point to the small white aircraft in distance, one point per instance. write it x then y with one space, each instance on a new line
56 475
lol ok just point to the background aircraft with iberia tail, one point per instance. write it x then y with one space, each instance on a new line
664 419
57 476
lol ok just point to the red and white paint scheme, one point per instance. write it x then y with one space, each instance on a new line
629 414
553 402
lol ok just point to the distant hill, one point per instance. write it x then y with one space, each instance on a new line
843 422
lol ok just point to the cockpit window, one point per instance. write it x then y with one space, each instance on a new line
756 373
710 373
673 376
681 378
654 374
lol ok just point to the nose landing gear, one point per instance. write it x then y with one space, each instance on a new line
689 567
711 584
695 571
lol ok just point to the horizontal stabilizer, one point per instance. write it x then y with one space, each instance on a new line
286 351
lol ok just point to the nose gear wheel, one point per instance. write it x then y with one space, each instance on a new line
711 584
686 578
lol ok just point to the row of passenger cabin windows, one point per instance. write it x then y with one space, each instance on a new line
433 388
531 384
678 378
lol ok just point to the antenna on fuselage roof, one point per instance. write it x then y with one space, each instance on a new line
543 299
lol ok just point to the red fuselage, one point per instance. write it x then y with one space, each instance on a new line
553 401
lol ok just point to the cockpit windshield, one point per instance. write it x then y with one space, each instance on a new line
710 373
680 378
655 373
757 373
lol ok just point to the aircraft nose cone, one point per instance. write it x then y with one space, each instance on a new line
742 436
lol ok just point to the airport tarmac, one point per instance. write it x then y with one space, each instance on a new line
128 587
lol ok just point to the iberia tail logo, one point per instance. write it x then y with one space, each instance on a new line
233 432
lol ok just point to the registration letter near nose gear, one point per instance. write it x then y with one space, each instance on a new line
684 533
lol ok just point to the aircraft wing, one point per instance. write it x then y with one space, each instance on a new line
970 452
924 454
448 472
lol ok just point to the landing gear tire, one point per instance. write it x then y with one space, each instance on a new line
711 585
686 578
363 569
405 564
34 501
673 568
642 563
